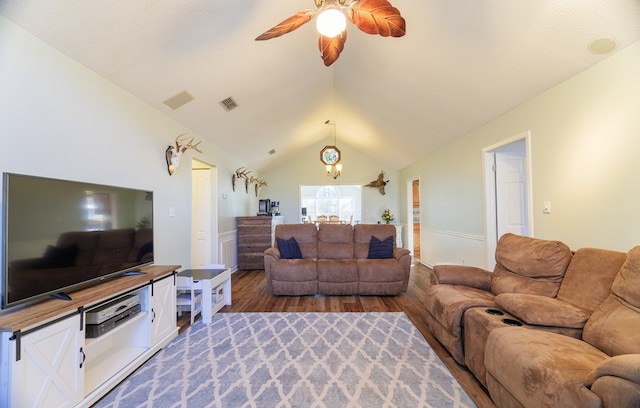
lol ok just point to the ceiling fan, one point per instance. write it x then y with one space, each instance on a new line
370 16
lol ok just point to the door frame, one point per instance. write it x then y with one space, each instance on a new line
409 241
197 164
491 238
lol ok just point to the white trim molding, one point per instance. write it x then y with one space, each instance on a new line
451 247
228 250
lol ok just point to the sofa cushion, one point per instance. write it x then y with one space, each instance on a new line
529 265
335 241
615 326
362 234
295 270
541 369
542 310
380 249
337 276
337 270
591 271
617 392
289 248
306 235
380 270
626 286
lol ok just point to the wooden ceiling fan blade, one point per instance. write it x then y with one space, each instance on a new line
377 17
331 47
288 25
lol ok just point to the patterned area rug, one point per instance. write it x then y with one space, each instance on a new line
294 360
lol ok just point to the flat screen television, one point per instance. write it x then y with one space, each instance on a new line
60 235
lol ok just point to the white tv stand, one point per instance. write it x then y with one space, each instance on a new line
46 360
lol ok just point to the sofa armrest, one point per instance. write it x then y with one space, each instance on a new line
625 366
541 310
399 253
271 255
403 256
273 252
470 276
617 381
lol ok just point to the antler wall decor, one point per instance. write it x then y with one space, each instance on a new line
259 183
174 153
241 172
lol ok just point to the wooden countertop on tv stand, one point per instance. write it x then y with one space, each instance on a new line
21 317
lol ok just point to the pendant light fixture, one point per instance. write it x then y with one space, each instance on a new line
330 155
331 21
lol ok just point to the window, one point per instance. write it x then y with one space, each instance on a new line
345 201
98 206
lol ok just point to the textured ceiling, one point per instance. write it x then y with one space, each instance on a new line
461 64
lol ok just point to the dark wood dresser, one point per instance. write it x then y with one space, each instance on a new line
255 235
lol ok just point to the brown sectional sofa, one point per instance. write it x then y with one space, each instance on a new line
576 344
335 261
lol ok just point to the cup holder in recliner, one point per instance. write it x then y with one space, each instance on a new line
511 322
494 312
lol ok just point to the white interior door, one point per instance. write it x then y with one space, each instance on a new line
512 212
508 194
201 217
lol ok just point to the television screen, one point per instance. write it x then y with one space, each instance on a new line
60 235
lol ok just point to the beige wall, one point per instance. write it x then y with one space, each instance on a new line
59 119
585 140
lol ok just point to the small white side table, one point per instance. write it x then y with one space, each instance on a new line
217 282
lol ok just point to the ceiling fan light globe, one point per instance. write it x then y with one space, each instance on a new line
331 22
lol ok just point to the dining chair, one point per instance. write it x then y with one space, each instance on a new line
321 218
334 218
189 297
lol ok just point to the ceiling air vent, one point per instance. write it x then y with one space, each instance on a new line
178 100
228 104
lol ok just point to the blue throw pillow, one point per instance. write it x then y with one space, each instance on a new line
381 249
289 248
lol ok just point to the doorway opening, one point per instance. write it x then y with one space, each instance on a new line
508 194
413 211
204 214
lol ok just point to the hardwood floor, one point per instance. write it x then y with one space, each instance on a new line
250 294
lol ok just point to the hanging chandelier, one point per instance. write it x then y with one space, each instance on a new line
330 156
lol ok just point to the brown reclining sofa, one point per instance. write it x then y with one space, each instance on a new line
337 259
548 328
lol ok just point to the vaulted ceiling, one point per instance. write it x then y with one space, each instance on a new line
461 64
